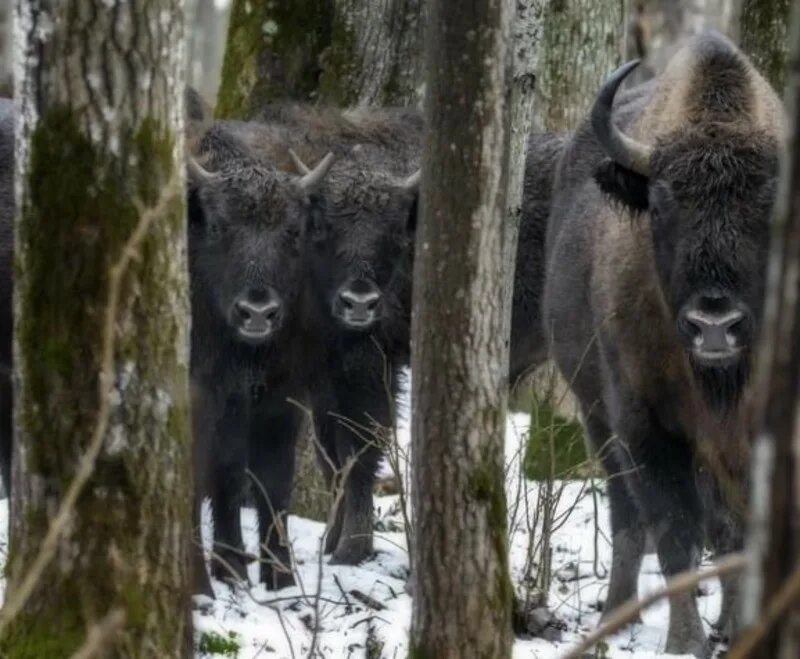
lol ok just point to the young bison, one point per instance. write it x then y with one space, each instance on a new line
247 225
656 257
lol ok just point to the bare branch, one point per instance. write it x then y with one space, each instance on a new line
680 583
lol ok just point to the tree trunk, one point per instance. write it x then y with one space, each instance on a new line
774 541
101 331
460 342
342 52
5 50
587 34
373 57
205 48
764 37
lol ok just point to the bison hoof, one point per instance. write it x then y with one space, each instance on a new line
331 540
230 566
276 578
352 551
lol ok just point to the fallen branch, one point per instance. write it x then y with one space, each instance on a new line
367 601
680 583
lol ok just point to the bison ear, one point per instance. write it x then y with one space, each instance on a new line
623 185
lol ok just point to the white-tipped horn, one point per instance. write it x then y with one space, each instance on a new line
299 164
412 182
313 178
197 172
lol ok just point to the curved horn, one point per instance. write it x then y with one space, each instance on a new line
299 164
313 178
621 148
411 184
199 173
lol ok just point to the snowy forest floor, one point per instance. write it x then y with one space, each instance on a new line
250 623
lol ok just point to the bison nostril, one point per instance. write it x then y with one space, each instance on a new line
243 311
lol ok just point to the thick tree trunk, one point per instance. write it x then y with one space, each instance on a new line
342 52
100 369
582 43
764 37
459 350
374 54
774 541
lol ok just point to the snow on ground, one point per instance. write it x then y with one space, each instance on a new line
280 624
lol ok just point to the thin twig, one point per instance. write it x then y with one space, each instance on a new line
100 636
47 550
680 583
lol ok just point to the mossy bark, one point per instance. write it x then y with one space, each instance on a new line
374 54
272 53
582 43
460 342
765 39
339 52
101 152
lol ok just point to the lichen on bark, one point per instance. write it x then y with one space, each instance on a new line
765 39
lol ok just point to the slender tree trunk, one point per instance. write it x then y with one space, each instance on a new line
774 542
205 48
342 52
582 43
764 37
100 368
459 350
5 49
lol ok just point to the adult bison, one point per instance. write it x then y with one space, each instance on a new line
247 224
656 257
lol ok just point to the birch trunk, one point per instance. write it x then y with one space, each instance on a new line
462 589
774 539
100 369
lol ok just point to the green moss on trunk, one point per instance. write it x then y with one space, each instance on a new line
126 546
272 53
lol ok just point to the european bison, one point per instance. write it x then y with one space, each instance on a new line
656 256
360 279
247 226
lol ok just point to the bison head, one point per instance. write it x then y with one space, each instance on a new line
362 247
707 190
247 226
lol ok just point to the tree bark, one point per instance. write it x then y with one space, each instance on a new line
205 48
774 539
764 37
100 368
5 50
374 54
459 351
589 36
342 52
